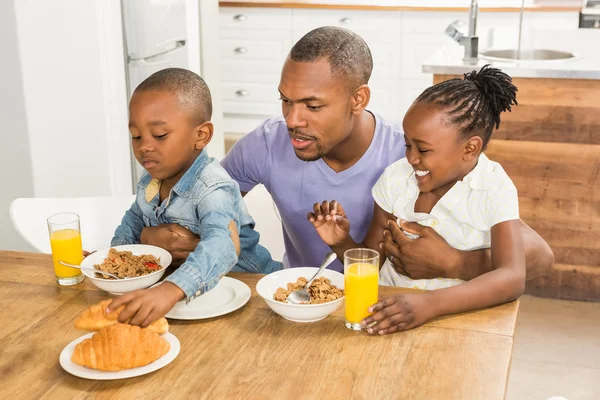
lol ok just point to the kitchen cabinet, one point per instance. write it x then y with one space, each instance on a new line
255 41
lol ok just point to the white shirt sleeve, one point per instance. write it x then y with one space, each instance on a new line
502 205
391 184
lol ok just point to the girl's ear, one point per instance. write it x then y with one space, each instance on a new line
204 133
472 148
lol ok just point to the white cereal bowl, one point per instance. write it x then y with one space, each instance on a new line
267 286
121 286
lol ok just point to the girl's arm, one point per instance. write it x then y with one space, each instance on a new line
332 225
505 283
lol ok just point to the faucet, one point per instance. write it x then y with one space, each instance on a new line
470 41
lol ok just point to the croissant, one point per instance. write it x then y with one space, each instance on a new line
118 347
95 318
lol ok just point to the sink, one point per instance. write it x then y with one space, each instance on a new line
526 55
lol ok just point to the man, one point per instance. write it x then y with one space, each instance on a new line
327 145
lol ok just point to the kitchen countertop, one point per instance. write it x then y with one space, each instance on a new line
449 61
412 5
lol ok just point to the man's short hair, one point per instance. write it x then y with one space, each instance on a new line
347 53
193 92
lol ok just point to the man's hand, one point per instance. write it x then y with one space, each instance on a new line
399 313
145 306
426 257
330 222
174 238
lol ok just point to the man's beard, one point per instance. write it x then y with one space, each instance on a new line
310 158
307 158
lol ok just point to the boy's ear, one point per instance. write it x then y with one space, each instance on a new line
361 98
472 148
204 133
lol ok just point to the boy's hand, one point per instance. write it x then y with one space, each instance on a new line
398 313
329 219
145 306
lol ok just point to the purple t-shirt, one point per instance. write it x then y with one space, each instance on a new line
266 156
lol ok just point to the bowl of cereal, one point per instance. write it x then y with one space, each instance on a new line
138 266
326 293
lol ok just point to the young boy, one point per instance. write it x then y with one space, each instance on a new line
170 125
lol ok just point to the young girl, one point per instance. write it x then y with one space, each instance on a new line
447 183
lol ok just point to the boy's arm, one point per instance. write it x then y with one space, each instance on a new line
131 227
215 254
245 163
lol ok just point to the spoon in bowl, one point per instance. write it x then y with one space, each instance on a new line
302 296
88 269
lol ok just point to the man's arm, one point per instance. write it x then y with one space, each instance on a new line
538 257
431 257
179 241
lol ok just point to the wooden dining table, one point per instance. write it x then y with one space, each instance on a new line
251 353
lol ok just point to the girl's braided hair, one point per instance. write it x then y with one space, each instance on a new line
475 102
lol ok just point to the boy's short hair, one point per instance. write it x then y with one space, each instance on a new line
189 86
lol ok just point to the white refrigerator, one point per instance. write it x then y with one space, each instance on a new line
160 34
155 37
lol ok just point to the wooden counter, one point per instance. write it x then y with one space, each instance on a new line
389 5
248 354
550 146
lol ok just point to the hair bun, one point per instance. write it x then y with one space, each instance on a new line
496 86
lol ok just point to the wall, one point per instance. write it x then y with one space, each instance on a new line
15 162
63 65
203 28
62 103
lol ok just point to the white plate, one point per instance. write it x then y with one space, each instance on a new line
88 373
229 295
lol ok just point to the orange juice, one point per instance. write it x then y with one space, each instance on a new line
361 284
66 246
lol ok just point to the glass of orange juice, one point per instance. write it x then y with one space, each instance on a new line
65 240
361 284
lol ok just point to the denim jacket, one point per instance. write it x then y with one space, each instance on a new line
204 201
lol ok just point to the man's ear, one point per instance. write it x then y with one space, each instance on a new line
472 148
204 133
361 98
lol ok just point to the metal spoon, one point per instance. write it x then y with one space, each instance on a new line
302 296
88 269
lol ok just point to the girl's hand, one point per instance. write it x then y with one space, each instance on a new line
399 313
87 253
329 219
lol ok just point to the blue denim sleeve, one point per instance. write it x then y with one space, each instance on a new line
215 255
130 230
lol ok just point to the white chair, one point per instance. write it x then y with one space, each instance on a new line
268 223
99 217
